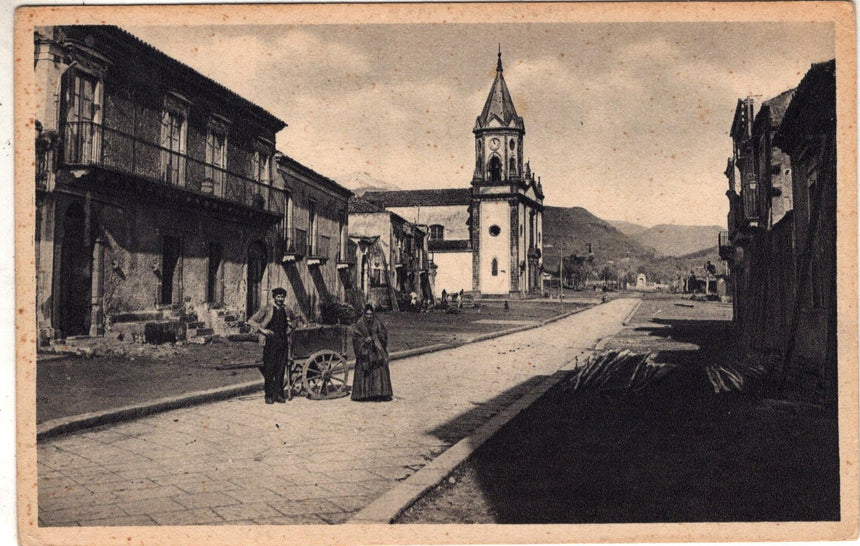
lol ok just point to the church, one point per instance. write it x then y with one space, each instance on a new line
485 239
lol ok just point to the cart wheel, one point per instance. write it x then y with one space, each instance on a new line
325 375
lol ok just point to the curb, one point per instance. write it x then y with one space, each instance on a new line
387 508
632 312
74 423
64 425
392 504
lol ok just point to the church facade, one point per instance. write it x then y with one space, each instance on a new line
485 239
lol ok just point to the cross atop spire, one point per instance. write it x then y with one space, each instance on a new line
499 65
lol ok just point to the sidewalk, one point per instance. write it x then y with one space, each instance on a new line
240 461
75 393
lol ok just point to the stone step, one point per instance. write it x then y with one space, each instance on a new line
243 337
136 316
198 332
204 339
194 324
165 331
190 317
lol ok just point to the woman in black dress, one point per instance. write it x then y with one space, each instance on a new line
372 378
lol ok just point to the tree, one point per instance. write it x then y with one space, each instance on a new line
609 273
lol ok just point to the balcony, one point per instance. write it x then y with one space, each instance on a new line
295 245
727 250
318 253
87 144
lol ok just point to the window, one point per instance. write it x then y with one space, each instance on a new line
82 95
494 267
173 131
495 230
513 167
260 167
437 232
216 154
495 169
342 235
288 218
312 231
513 144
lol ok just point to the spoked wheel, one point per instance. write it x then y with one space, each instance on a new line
292 380
325 375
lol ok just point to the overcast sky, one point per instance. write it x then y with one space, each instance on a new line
627 120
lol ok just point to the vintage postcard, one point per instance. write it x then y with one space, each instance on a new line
436 273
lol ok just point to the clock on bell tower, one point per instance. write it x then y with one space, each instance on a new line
499 135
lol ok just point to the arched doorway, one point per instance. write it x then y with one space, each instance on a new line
256 269
495 168
76 266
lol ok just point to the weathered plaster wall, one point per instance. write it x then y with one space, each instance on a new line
453 217
495 213
454 272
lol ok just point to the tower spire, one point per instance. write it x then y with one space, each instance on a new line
499 65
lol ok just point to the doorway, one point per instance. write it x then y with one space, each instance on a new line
76 266
171 251
256 268
214 277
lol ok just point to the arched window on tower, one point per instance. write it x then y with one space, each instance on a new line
513 167
495 169
494 267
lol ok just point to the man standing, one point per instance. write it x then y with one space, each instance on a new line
274 322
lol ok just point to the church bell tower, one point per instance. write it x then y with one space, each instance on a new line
499 135
506 201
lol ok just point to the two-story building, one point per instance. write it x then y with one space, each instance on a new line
781 237
757 244
392 255
156 193
316 262
808 136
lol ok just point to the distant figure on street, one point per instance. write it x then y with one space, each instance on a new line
372 378
275 323
414 301
460 299
443 303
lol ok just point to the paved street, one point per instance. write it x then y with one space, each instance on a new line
307 462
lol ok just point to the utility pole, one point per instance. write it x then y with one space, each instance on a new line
561 278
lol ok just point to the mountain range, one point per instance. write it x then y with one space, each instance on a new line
671 239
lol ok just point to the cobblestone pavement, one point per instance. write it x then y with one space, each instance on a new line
241 461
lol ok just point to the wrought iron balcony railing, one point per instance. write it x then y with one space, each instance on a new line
89 144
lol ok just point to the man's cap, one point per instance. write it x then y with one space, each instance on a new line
279 291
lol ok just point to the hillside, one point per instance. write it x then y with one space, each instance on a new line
627 228
576 228
674 240
669 268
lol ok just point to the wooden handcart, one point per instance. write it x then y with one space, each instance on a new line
316 364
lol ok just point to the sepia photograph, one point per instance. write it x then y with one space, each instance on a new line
436 273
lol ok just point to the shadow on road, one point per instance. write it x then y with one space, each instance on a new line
674 452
